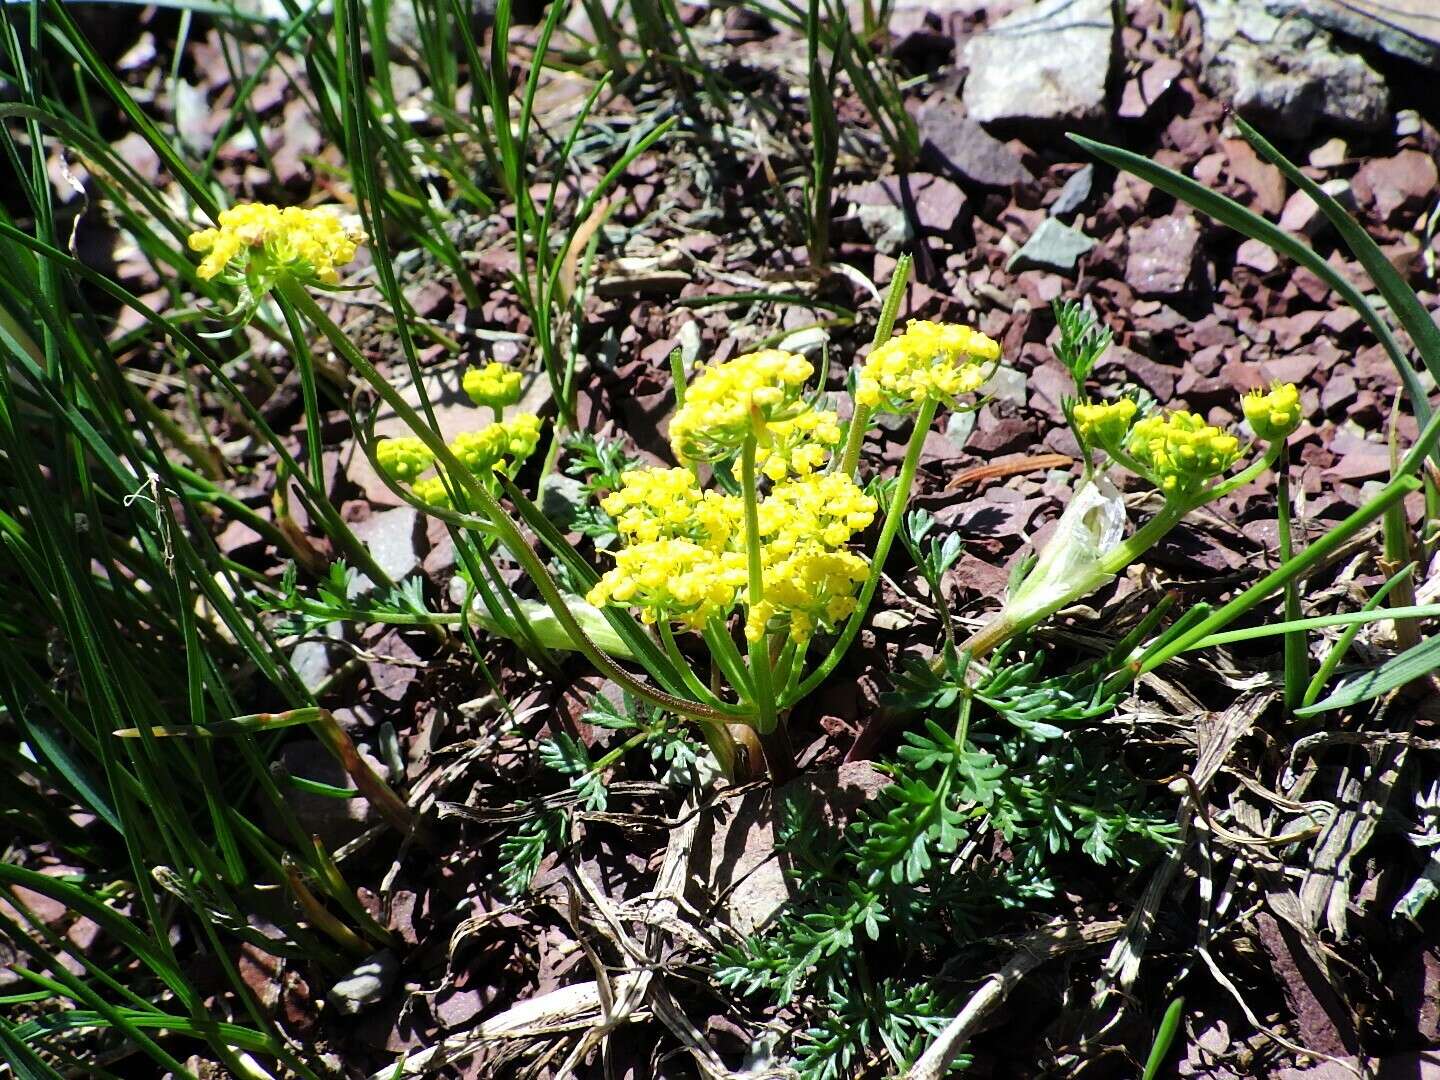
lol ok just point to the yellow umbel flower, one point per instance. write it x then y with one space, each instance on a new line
501 447
494 385
667 504
1181 452
1105 423
811 587
260 240
929 361
673 580
800 446
728 402
431 491
403 459
823 508
1273 416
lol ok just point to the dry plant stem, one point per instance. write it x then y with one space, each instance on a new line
1034 951
376 791
318 916
507 531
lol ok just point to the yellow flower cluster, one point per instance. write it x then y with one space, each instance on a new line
741 397
1181 452
265 240
673 579
813 587
656 504
1273 416
494 385
403 459
827 508
928 362
685 559
1105 423
499 447
800 446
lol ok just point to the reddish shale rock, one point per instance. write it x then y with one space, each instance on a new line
1396 185
1162 255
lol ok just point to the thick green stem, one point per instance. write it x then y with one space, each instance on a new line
894 514
509 533
1315 554
760 674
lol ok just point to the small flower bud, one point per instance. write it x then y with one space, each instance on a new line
1273 416
1105 423
403 459
494 386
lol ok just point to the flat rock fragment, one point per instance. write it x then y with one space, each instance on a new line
1053 246
1162 255
1047 65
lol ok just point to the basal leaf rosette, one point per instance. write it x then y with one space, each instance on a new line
740 398
928 362
254 243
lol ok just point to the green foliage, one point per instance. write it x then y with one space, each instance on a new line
1082 339
669 745
598 463
913 875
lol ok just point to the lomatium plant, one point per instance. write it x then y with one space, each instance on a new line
750 547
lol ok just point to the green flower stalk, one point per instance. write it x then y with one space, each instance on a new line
1185 458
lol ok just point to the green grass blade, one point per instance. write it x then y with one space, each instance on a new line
1396 672
1231 213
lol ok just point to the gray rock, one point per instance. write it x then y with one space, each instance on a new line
1047 64
367 985
393 539
1286 74
1007 384
955 143
1074 193
1053 246
1408 29
562 498
313 659
887 227
1162 255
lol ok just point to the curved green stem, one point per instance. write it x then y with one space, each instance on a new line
860 421
1316 553
893 516
691 680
